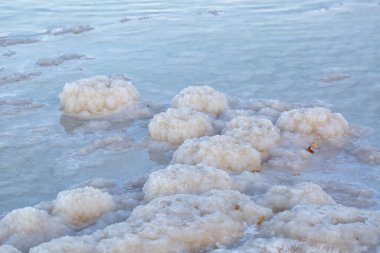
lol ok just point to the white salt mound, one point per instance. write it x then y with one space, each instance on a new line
314 121
29 226
221 151
259 132
201 98
83 206
180 178
97 96
176 223
338 227
177 125
280 198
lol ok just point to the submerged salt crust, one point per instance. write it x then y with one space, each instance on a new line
97 96
177 125
82 206
259 132
280 198
334 226
275 245
176 223
201 98
221 151
180 178
317 121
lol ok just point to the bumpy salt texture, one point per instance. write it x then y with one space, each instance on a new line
280 198
176 223
317 121
221 151
29 226
259 132
333 226
97 96
180 178
177 125
201 98
82 206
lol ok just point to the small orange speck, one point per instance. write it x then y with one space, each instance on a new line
262 219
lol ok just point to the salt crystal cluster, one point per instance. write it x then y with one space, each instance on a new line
97 96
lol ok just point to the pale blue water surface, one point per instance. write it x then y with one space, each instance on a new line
322 52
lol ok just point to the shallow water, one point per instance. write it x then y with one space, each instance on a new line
319 52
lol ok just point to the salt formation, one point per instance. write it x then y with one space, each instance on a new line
72 29
55 61
221 151
116 143
316 121
177 125
280 198
259 132
336 227
269 104
11 41
275 245
97 96
289 159
18 77
179 178
83 206
201 98
367 154
176 223
29 226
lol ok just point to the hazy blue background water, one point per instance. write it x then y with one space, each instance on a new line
314 52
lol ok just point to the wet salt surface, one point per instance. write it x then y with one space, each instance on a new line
303 54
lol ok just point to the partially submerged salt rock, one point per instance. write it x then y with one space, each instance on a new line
177 125
180 178
176 223
201 98
280 198
83 206
29 226
317 121
334 226
221 151
259 132
97 96
275 245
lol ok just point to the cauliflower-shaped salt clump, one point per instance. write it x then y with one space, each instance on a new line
29 226
83 206
180 178
175 223
177 125
281 198
314 121
259 132
221 151
334 226
201 98
97 96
